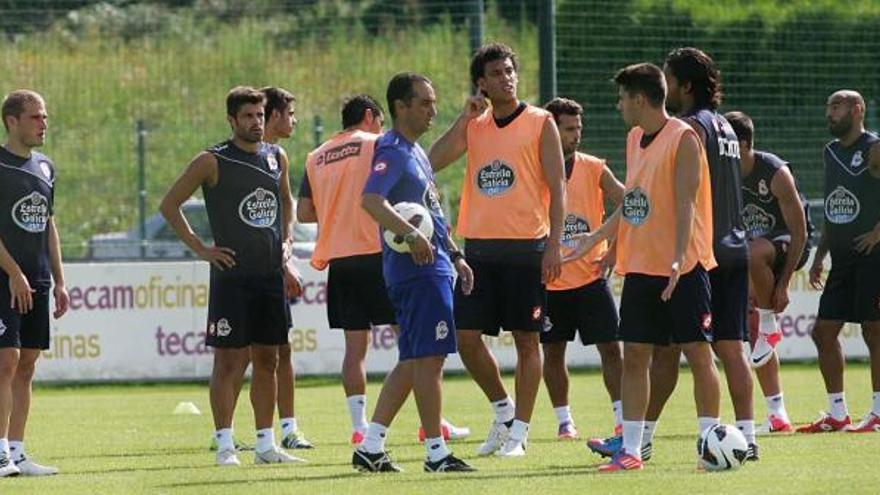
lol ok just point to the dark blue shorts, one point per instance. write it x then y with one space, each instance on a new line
730 300
24 331
852 291
356 296
588 310
424 312
508 293
245 310
686 318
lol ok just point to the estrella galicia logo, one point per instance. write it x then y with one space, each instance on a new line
259 209
636 207
842 206
495 179
573 225
757 221
31 212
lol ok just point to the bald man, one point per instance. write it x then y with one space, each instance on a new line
851 233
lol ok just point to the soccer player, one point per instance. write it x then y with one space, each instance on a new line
851 232
694 94
250 209
30 260
666 293
419 284
348 243
776 227
280 124
579 301
511 215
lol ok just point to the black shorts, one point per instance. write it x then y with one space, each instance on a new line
686 318
730 300
356 293
852 291
781 246
588 310
24 331
245 310
508 293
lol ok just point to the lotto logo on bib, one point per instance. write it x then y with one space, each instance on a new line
757 221
31 212
636 207
573 225
259 209
495 178
841 206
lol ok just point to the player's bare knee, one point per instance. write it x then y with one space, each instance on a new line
609 352
284 352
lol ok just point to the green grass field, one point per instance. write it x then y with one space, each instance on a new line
124 439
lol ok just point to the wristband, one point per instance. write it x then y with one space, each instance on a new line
455 255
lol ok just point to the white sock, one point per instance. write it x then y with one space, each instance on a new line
357 408
519 431
837 406
704 422
16 450
875 406
632 437
436 448
374 440
648 432
224 439
288 426
617 407
766 321
776 406
265 440
504 410
747 427
563 414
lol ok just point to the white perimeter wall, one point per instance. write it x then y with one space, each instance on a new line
146 321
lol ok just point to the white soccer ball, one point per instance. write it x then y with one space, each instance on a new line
723 447
418 216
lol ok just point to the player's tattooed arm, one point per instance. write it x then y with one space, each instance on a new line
202 170
21 294
612 189
453 143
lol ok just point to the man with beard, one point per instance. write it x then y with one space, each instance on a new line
250 209
851 232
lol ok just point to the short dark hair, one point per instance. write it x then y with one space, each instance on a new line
645 79
694 66
277 99
742 125
490 53
240 96
355 108
14 102
400 87
563 106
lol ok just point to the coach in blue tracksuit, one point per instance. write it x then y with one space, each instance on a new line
419 283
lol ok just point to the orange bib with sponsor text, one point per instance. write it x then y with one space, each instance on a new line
504 194
584 212
337 171
646 236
